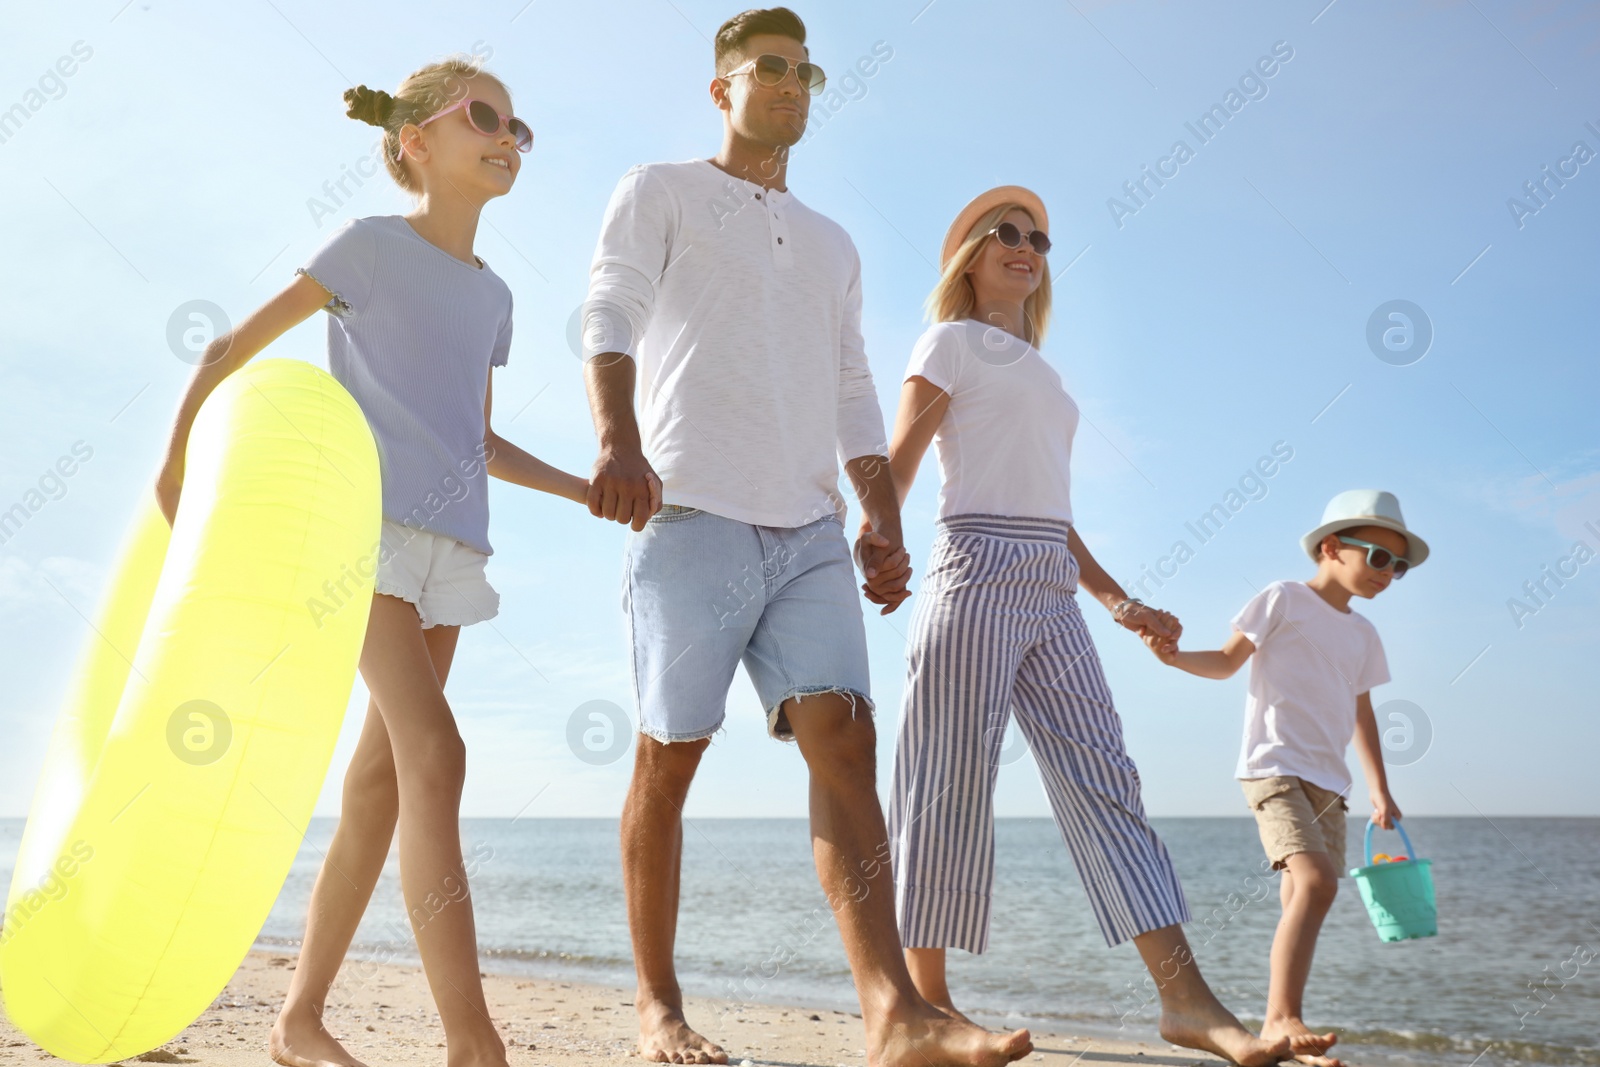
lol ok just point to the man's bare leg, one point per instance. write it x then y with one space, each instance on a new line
367 817
1191 1015
1310 883
850 844
927 974
652 853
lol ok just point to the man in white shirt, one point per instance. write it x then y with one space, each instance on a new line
740 307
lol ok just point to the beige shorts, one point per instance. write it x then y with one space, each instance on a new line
1295 816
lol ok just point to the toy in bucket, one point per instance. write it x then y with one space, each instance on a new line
1398 891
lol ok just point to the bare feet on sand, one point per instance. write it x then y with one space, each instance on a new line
932 1038
665 1037
1214 1029
1306 1046
304 1043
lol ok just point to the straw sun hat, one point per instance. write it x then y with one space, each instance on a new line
1027 199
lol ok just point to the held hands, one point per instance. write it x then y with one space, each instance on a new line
624 488
887 567
1158 629
1384 810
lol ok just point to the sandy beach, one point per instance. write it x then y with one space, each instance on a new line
383 1014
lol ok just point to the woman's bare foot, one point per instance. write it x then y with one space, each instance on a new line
925 1036
303 1042
1213 1028
665 1037
1306 1046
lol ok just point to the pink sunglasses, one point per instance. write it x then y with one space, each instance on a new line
486 120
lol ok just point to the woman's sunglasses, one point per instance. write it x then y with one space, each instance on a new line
1378 557
486 120
770 70
1008 234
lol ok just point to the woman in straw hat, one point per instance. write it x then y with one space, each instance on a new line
998 627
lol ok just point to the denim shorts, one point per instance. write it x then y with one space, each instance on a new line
702 592
439 576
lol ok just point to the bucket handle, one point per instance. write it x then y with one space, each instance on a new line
1367 843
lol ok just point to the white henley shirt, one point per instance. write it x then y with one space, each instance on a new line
742 309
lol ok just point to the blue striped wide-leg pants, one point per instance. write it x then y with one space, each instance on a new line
998 626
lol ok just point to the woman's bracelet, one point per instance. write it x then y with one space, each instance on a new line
1122 609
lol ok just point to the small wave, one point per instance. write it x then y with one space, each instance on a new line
551 957
1502 1049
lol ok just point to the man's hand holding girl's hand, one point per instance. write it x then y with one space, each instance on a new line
887 567
624 488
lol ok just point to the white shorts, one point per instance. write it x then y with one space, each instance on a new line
439 576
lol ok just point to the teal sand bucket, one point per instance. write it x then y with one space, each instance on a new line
1399 896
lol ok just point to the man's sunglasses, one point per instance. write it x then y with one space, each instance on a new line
1008 234
770 70
1378 557
486 120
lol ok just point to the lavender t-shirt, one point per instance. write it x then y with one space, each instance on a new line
412 333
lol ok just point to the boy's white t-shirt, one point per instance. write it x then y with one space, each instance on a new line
1311 663
1005 442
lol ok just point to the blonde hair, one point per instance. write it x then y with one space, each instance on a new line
424 93
953 299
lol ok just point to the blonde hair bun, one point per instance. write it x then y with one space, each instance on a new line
372 106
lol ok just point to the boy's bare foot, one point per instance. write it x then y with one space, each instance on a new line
924 1036
1306 1046
665 1037
1213 1028
299 1042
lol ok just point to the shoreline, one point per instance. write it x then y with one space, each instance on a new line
383 1013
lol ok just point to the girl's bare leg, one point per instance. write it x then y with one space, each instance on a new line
353 865
430 764
349 872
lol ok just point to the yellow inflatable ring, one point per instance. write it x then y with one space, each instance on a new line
183 769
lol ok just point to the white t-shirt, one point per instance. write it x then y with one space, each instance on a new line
1005 442
742 309
1311 663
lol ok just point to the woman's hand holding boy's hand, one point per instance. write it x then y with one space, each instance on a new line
1164 648
1150 622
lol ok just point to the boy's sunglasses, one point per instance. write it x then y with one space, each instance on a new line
486 120
1008 234
770 70
1378 557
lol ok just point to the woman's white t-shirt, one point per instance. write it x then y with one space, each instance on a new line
1310 664
1005 443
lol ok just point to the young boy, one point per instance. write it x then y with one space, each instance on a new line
1315 664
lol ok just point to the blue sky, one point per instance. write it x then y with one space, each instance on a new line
1226 315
